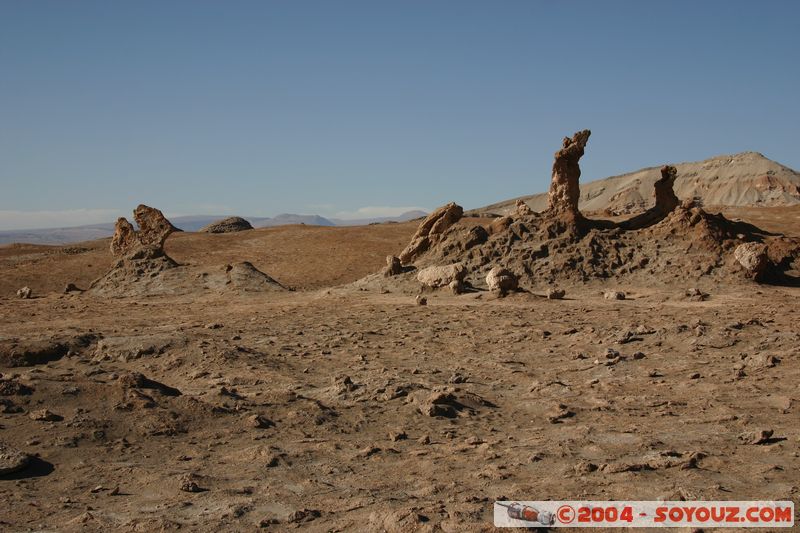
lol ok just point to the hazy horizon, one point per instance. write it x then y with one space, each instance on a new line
260 108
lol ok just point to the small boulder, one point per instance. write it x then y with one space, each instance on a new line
614 295
393 266
752 256
421 300
696 295
456 287
24 293
501 280
555 294
441 276
12 460
71 287
45 415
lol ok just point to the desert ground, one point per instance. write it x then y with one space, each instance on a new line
401 377
311 409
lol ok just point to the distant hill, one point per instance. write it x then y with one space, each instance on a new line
185 223
747 179
405 217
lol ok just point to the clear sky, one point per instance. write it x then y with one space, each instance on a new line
347 107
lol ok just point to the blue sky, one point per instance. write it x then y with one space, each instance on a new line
340 108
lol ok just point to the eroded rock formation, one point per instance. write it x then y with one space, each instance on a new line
431 230
665 201
564 187
154 228
124 239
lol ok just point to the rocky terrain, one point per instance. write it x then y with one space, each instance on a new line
298 378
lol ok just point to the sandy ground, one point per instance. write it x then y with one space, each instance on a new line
361 411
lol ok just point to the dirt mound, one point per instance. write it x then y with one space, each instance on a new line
157 277
667 243
140 272
228 225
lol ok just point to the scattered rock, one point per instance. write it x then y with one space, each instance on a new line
555 294
456 287
135 380
31 352
696 295
45 415
24 293
12 387
585 467
501 280
259 421
303 515
441 276
12 460
71 287
398 435
421 300
761 436
393 266
560 413
188 484
228 225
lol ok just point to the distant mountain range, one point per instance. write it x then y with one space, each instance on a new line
185 223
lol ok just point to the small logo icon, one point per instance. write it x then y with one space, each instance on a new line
565 514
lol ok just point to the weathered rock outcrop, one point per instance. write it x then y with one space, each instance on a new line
564 187
442 276
670 241
228 225
752 256
431 230
665 201
124 239
140 254
154 228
